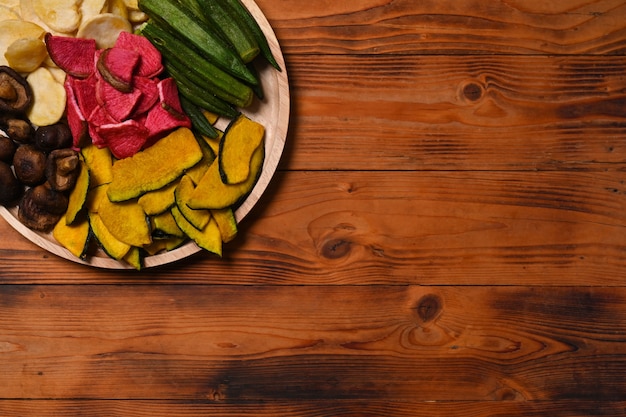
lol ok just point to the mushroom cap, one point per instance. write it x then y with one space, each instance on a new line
41 208
55 136
15 93
29 164
10 187
62 169
7 149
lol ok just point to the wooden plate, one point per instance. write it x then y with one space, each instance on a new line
272 112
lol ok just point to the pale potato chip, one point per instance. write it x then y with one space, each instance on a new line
137 16
12 30
11 4
26 54
104 28
57 73
90 8
7 13
132 4
27 13
60 15
49 98
118 7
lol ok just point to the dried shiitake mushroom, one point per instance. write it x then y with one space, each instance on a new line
7 149
55 136
15 93
10 187
29 164
19 130
62 169
41 207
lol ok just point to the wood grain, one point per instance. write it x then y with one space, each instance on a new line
236 344
449 27
491 228
142 408
444 237
310 408
457 113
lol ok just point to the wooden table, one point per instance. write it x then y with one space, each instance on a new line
445 236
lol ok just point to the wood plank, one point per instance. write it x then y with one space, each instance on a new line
313 408
489 228
457 113
238 344
450 27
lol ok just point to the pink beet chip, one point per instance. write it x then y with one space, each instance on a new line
124 139
161 121
73 55
168 94
118 104
119 63
150 94
85 92
167 114
97 118
75 117
150 64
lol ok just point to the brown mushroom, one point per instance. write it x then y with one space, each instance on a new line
10 187
41 208
15 93
29 164
62 169
56 136
19 130
7 149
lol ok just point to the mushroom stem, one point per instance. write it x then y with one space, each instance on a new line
66 165
62 169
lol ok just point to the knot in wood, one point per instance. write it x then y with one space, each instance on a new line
336 248
472 91
429 307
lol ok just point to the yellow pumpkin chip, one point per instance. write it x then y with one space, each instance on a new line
100 164
241 139
212 193
198 218
154 167
112 246
134 258
164 226
78 195
226 222
73 237
126 221
158 201
208 238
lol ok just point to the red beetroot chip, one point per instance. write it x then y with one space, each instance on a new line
75 118
73 55
124 139
117 66
168 94
97 118
150 64
167 114
85 92
150 94
161 121
96 57
118 104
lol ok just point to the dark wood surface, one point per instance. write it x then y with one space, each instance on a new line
445 236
